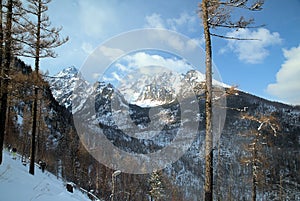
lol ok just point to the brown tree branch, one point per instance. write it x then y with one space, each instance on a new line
232 38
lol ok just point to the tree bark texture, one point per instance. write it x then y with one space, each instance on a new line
208 187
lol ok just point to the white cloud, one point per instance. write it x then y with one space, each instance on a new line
107 79
175 41
287 86
87 48
121 67
144 63
192 43
185 21
116 76
111 53
96 75
252 51
142 59
95 17
154 21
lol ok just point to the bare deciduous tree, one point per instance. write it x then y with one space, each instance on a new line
214 14
266 124
10 37
40 41
5 72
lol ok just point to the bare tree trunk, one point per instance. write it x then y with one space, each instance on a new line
208 187
33 134
37 61
218 14
1 43
24 146
97 177
280 190
5 74
40 139
254 169
218 180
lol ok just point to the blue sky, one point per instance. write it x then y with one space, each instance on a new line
269 68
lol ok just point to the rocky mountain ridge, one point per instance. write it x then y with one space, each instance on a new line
110 106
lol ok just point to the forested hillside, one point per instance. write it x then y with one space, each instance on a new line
157 124
59 145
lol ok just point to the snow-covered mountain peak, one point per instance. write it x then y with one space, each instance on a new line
194 76
159 88
63 84
68 72
148 89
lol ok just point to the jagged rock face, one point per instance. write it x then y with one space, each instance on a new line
63 84
151 90
110 104
145 90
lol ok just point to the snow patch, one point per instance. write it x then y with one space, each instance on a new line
16 184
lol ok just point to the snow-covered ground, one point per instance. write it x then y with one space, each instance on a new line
16 184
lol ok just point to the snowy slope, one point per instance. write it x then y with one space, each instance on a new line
16 184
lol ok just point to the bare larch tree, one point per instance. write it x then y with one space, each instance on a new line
218 14
40 41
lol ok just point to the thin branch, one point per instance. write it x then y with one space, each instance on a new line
232 38
34 56
235 26
5 78
255 7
